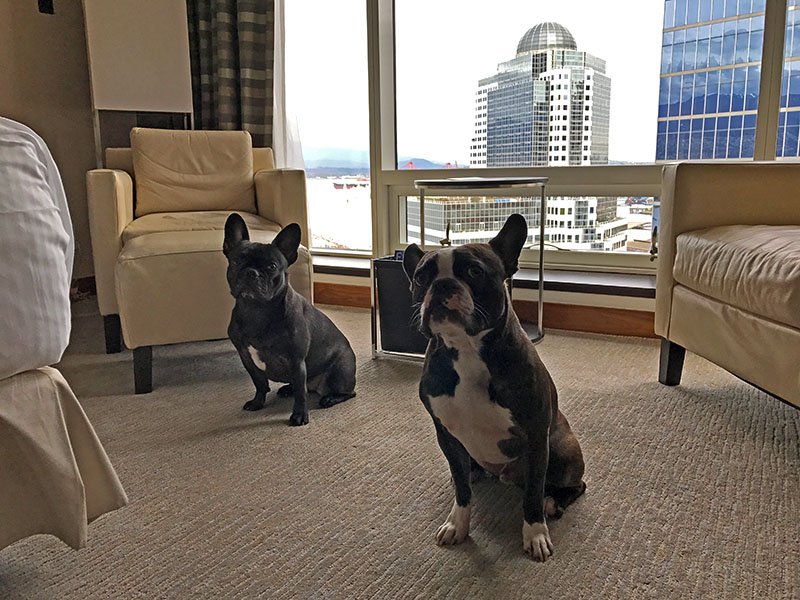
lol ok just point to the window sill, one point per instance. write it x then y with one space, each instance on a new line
583 282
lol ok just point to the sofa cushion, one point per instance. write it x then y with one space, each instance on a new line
753 267
209 220
192 170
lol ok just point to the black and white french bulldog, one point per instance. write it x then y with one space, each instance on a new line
492 400
281 336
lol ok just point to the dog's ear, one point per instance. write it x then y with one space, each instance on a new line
288 241
235 233
411 258
509 242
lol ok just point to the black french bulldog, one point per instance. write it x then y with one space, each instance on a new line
491 398
281 336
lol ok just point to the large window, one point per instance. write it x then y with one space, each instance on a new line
593 95
326 88
529 85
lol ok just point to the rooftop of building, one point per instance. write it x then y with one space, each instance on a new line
544 36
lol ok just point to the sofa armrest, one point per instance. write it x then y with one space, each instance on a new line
281 197
701 195
110 198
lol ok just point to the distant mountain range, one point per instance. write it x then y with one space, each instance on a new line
335 162
338 158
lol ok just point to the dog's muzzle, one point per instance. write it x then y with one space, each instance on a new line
448 299
252 285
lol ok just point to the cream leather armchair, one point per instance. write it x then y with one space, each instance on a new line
728 285
157 217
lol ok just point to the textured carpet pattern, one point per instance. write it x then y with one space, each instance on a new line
692 491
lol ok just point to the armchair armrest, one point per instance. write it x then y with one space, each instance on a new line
701 195
110 199
281 197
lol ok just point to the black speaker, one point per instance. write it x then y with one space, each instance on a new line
394 309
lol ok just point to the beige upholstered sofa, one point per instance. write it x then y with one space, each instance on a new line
157 217
728 283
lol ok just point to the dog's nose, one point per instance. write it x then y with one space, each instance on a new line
444 288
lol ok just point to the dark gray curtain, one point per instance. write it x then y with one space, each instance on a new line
232 47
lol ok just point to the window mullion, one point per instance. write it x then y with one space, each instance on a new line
771 74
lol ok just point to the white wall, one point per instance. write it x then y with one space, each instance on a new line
139 55
44 83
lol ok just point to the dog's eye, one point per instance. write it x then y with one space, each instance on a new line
271 267
420 278
475 272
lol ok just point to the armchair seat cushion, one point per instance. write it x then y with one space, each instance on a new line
755 268
171 286
210 220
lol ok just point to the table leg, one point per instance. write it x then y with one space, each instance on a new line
542 217
422 219
374 311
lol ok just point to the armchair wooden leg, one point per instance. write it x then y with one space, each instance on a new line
113 331
143 370
670 363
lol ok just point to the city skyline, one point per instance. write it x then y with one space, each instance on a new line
683 92
477 40
436 81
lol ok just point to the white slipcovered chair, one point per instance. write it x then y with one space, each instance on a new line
157 215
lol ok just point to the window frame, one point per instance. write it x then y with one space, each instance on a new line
390 185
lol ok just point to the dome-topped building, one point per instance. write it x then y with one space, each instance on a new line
544 36
548 105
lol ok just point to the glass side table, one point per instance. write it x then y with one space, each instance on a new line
465 186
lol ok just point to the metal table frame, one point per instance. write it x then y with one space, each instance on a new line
468 186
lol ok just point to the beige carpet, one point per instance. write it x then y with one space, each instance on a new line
692 491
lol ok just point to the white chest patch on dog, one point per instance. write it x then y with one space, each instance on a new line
260 364
469 414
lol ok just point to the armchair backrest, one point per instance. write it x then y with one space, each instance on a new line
180 170
121 159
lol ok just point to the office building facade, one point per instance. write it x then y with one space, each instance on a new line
549 105
710 79
571 223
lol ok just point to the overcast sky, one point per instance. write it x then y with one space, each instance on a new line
443 48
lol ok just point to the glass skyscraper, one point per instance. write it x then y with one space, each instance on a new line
710 76
549 105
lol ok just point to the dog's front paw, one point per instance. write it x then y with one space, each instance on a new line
254 404
536 541
298 419
456 528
